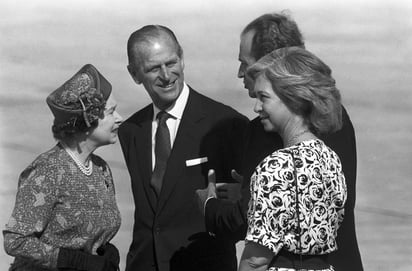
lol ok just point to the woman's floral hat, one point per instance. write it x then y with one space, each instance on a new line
84 95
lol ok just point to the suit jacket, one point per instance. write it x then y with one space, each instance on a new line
169 232
225 218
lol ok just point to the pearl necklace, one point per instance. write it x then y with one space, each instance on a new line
87 170
292 140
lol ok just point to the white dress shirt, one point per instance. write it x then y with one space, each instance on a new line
176 111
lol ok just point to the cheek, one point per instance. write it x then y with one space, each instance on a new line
267 108
148 79
110 121
105 123
177 70
272 113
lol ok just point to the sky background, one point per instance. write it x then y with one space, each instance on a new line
368 45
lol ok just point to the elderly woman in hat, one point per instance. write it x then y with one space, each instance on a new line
65 212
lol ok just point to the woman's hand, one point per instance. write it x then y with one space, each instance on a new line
255 257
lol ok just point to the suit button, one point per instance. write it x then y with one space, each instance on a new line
157 230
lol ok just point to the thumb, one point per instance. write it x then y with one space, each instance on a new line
211 177
236 176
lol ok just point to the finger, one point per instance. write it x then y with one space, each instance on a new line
236 176
211 176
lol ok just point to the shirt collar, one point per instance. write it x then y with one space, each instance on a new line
176 110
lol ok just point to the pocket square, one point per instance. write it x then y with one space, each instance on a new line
196 161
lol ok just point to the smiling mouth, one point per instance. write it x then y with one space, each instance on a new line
169 85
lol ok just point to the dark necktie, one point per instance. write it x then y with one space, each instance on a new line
162 152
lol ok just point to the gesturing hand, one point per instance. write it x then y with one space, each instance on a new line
208 192
236 176
230 191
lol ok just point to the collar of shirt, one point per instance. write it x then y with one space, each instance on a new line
177 109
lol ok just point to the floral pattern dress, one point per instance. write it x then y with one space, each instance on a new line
59 206
272 214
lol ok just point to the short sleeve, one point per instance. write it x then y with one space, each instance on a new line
269 207
35 199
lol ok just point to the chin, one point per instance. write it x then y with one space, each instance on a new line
109 142
113 140
167 99
268 127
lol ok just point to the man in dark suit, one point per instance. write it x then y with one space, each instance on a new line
169 146
263 35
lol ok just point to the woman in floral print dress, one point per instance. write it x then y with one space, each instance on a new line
65 212
298 192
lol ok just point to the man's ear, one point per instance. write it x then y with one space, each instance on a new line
134 74
182 61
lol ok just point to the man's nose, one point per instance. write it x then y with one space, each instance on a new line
118 117
241 72
164 73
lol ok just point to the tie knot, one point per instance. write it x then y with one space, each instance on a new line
162 116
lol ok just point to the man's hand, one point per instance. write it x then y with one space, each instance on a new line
230 191
208 192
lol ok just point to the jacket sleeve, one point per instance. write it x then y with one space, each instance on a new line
227 219
223 217
343 142
34 205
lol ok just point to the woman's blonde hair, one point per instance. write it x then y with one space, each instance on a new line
305 85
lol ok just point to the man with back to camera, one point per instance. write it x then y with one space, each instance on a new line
169 146
263 35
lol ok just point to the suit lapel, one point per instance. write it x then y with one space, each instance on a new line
185 145
143 150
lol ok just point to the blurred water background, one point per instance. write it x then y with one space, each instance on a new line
368 45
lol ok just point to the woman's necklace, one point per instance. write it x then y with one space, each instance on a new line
87 170
293 139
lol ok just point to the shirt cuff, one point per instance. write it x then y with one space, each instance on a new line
204 206
204 212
